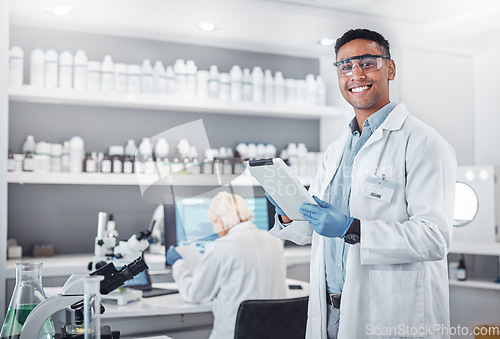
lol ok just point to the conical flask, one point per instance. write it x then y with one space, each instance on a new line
27 294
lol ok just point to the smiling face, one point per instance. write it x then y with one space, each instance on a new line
366 92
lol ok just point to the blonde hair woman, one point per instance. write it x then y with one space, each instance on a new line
244 263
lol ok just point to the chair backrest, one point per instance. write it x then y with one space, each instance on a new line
273 319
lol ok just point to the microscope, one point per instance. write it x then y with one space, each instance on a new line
72 295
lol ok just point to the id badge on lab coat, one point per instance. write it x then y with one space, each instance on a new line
379 189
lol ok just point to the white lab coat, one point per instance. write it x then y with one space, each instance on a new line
247 263
396 278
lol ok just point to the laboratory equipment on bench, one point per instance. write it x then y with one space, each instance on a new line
106 249
72 295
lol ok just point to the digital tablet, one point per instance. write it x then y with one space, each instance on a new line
281 184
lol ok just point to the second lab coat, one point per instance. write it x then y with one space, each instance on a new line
247 263
396 281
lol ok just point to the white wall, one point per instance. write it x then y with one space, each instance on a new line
487 117
438 89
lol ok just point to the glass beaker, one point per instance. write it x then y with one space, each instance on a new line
28 293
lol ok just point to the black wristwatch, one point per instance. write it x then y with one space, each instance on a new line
354 235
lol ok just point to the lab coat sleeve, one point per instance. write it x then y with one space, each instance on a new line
430 196
201 285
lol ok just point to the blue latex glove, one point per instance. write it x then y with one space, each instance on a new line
172 256
278 210
326 219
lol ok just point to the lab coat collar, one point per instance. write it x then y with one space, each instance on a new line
396 118
241 226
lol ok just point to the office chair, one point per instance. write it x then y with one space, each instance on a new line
272 319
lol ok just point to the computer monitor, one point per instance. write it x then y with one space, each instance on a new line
186 220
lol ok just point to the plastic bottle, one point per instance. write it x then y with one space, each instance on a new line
180 77
301 92
94 76
213 82
191 70
159 78
80 70
51 68
91 163
268 87
76 154
227 166
99 159
28 162
461 269
247 91
270 151
279 89
261 151
121 78
29 145
130 151
42 157
144 161
290 91
116 157
106 164
195 167
236 83
65 157
147 81
16 66
242 151
134 79
55 157
258 84
169 81
208 162
225 86
28 293
65 70
107 74
37 68
311 90
252 151
11 162
161 153
320 91
202 84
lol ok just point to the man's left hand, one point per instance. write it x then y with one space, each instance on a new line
325 219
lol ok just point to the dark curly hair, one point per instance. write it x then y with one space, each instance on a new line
361 33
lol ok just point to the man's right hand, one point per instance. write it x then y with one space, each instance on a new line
279 211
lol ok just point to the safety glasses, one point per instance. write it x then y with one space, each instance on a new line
366 63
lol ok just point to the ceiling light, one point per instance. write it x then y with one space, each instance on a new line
207 26
61 10
327 42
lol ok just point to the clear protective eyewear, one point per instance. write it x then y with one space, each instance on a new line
366 63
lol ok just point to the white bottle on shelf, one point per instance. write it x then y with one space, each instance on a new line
94 76
180 77
55 157
159 78
121 78
29 145
147 82
37 68
42 157
51 68
225 86
134 79
258 84
310 89
145 153
191 70
301 91
213 82
66 70
169 81
161 153
107 74
65 157
16 66
320 91
236 83
247 85
80 70
202 84
76 154
290 91
268 87
279 89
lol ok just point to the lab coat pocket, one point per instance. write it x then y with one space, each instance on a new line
397 303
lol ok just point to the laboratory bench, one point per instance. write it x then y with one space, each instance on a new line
162 315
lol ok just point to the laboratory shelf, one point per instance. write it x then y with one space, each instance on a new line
132 179
469 247
27 93
481 284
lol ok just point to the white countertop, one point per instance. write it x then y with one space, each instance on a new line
65 265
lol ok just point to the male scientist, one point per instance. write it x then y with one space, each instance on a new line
382 225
